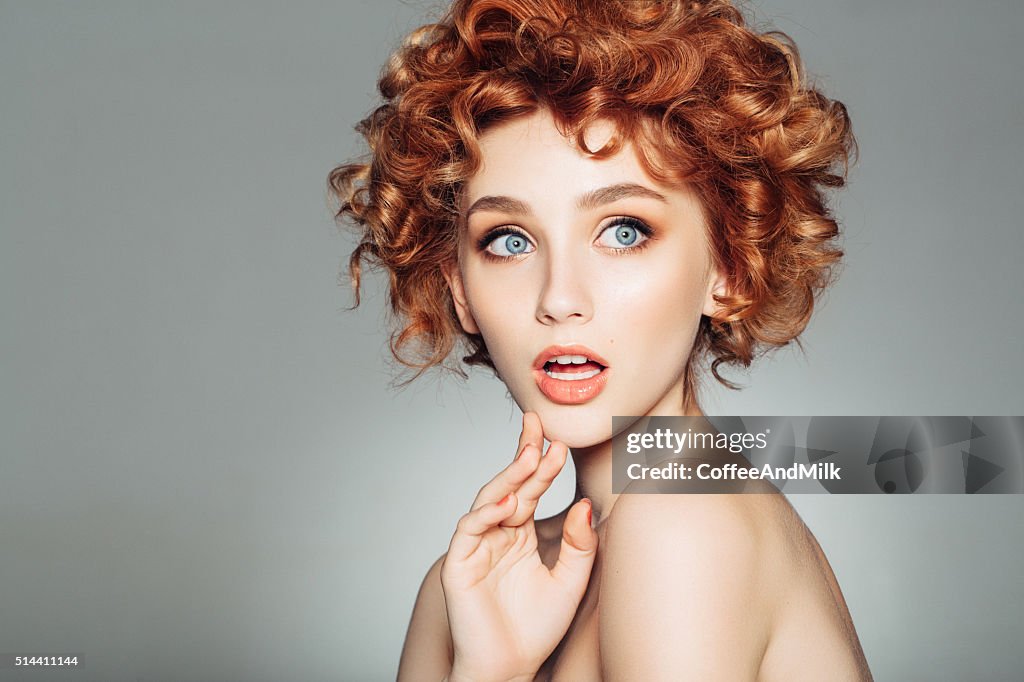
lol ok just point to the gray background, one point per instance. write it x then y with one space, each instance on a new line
203 472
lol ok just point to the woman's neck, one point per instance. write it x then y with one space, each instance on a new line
594 468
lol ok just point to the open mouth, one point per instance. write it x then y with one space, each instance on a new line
572 368
570 375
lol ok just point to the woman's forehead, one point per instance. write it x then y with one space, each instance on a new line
540 127
531 153
530 165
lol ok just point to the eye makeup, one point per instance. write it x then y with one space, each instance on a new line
483 242
625 240
633 227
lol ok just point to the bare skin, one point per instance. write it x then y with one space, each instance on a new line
779 607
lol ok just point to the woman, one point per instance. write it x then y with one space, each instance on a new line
596 197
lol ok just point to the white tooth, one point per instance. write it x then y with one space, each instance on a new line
564 359
574 377
579 359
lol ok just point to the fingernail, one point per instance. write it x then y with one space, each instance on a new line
504 499
590 508
522 451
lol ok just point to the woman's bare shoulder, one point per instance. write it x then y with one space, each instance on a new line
737 582
428 651
701 575
747 522
761 544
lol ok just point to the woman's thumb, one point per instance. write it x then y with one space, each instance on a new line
579 546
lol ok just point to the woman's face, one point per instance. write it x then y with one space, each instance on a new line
586 278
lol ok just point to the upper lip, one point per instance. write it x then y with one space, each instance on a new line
554 351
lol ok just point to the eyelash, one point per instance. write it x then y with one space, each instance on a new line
489 237
640 226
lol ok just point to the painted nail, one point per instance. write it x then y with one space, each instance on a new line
504 499
590 508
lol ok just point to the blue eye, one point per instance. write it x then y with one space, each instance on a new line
509 244
624 234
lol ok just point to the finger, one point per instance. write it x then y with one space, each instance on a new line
472 526
533 432
538 483
510 478
579 547
547 471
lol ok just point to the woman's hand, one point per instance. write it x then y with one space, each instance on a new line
506 610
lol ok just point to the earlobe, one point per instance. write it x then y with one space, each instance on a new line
454 279
717 286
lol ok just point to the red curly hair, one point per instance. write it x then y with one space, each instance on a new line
705 99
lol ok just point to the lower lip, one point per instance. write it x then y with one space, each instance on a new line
566 392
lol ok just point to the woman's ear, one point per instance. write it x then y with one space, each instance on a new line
717 286
454 279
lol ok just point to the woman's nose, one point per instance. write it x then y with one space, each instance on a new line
565 296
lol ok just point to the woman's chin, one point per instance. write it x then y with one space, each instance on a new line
576 430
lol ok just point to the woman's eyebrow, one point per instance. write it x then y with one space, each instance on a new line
623 190
590 200
499 204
